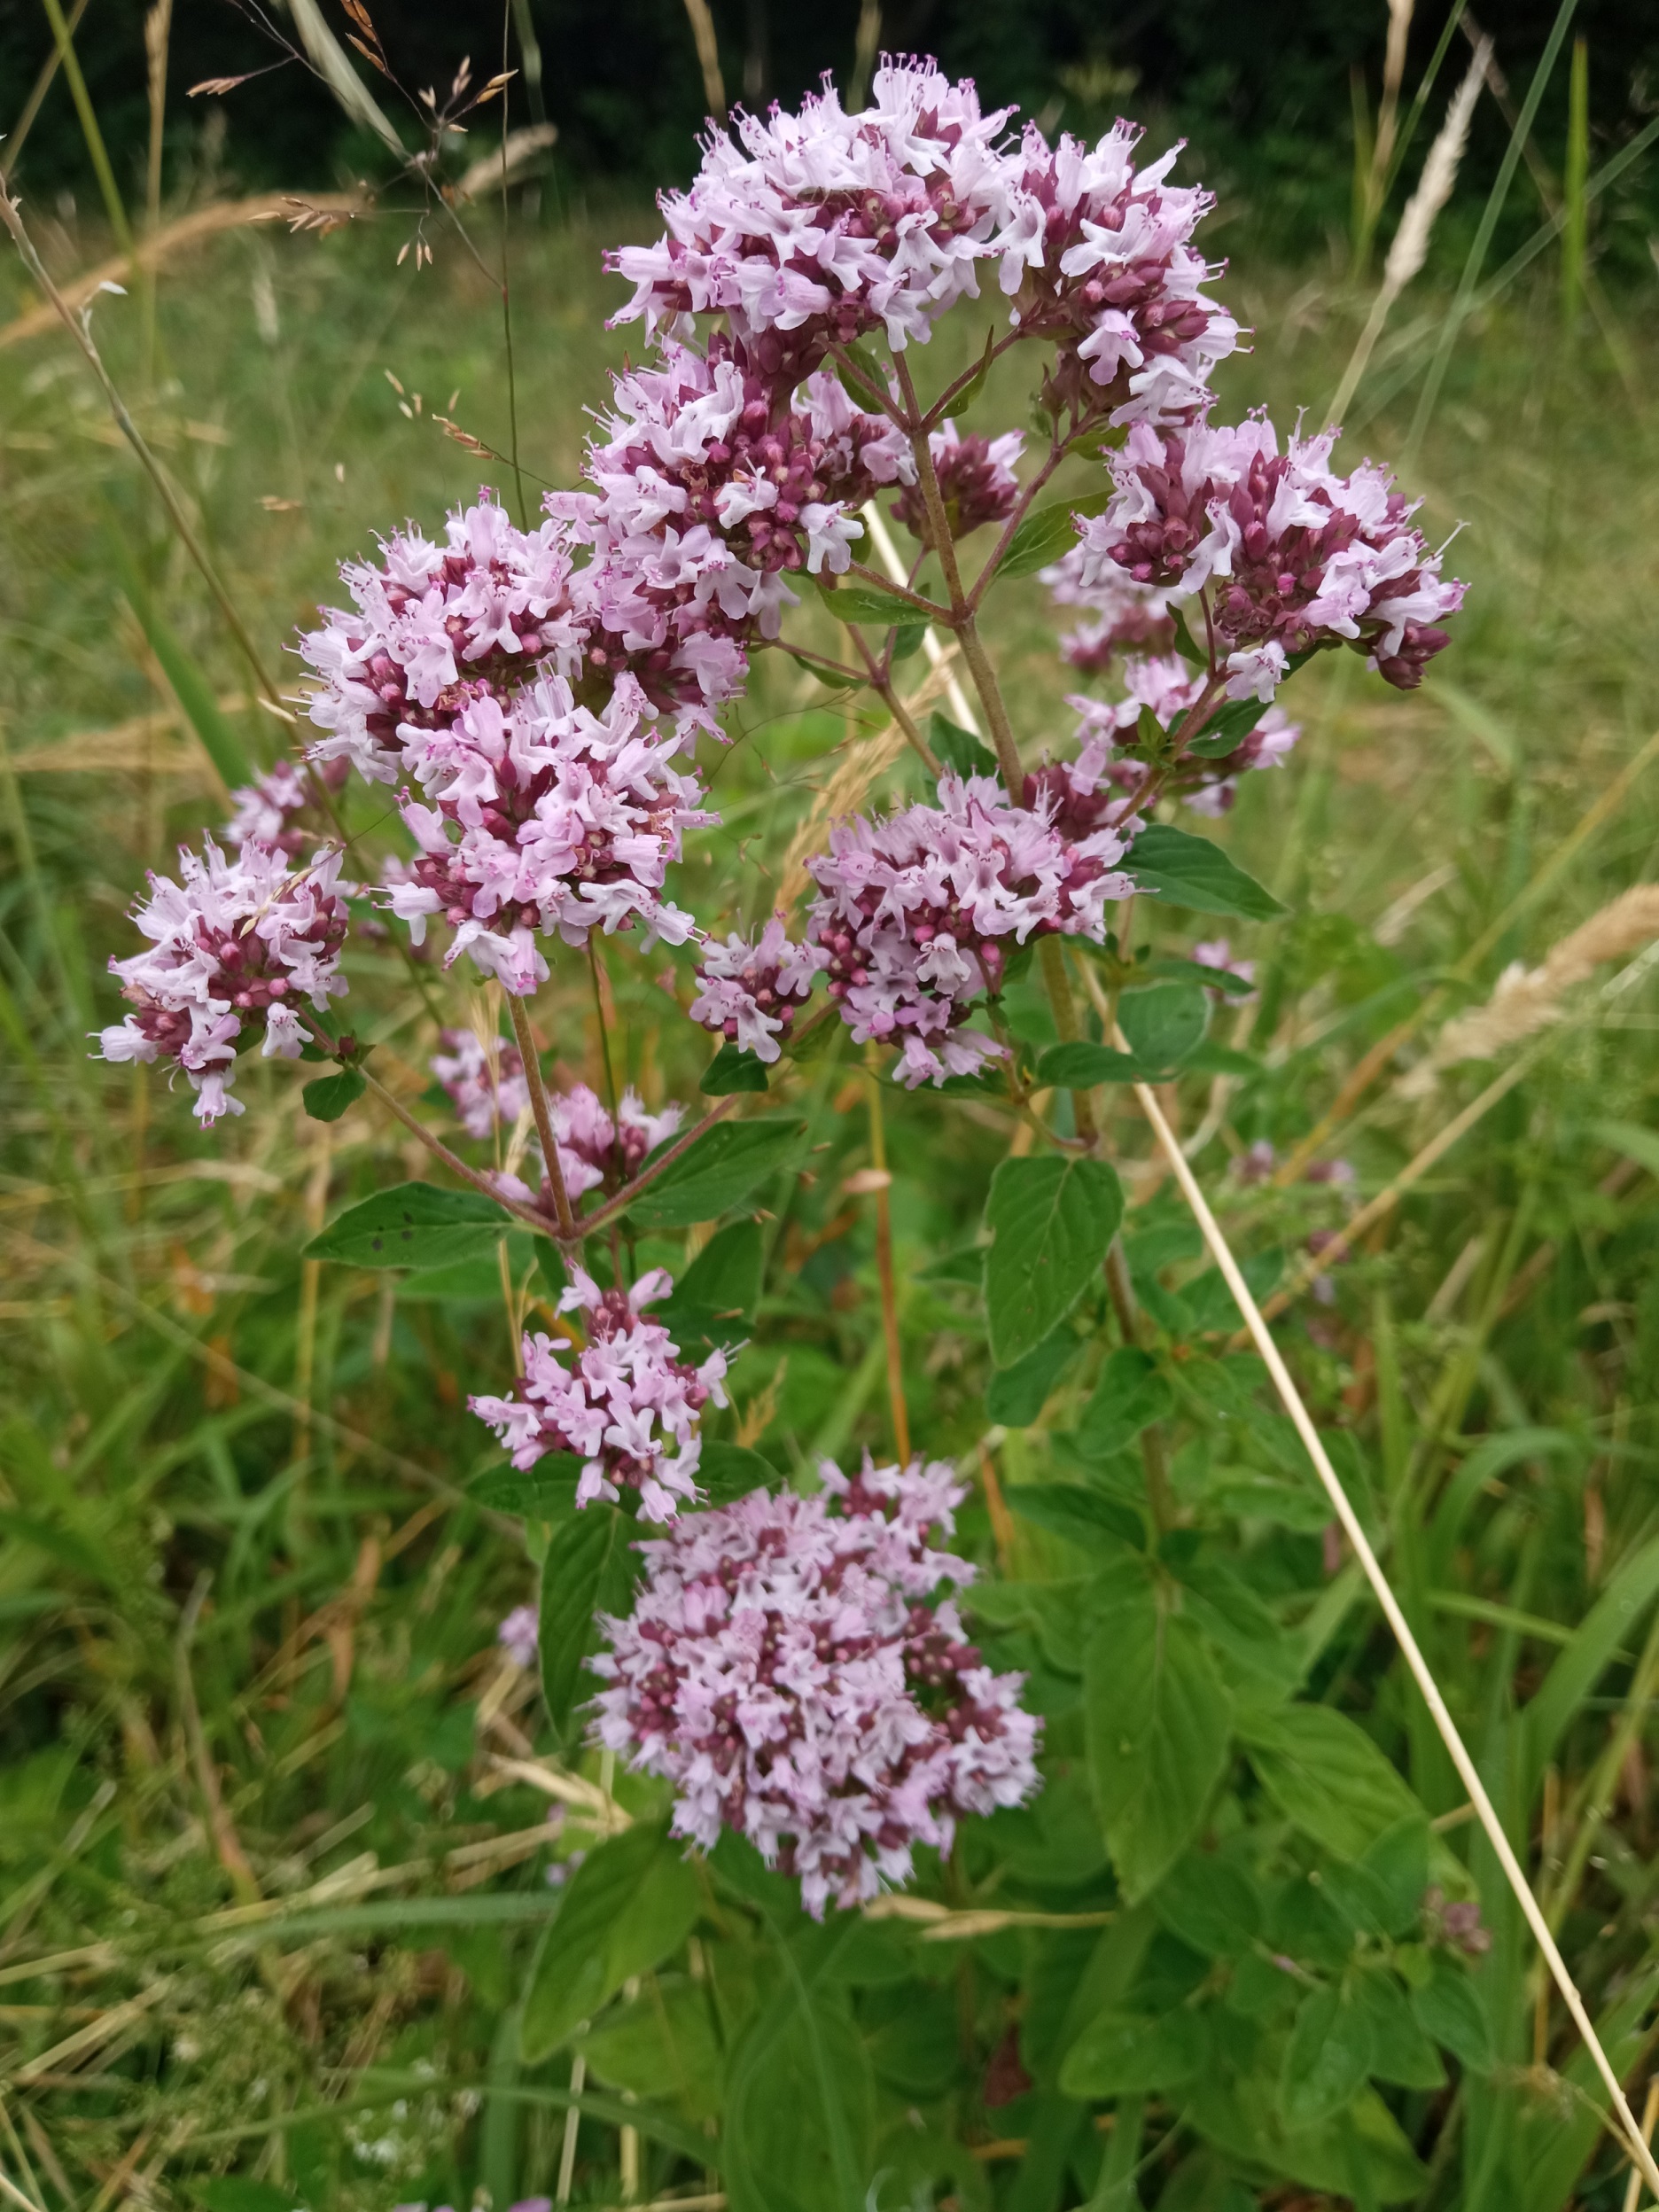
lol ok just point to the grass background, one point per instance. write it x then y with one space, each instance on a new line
265 1896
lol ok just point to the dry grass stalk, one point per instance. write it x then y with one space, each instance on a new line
1410 248
708 56
844 794
505 163
1527 1000
206 223
1468 1773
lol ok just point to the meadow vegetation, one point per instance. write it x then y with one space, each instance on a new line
274 1853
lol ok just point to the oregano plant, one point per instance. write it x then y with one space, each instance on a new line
965 1794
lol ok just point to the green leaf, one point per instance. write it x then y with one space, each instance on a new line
717 1173
1571 1678
1190 971
799 2127
1052 1221
588 1568
1227 731
1326 1777
631 1904
1018 1394
1210 1904
731 1470
415 1225
866 605
661 2044
958 748
1325 2060
1191 872
1447 2008
730 1070
1184 645
724 1278
1400 2051
860 372
1631 1139
1048 534
327 1099
1130 1396
1164 1023
1081 1514
1079 1066
1125 2055
976 383
183 672
907 640
1156 1721
546 1492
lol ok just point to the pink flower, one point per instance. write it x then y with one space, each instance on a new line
918 912
277 809
1124 614
1288 555
436 627
520 1635
1168 687
1217 951
812 229
750 992
549 818
975 480
626 1406
593 1150
1098 257
486 1086
234 945
787 1668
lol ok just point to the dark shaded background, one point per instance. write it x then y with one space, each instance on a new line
1262 88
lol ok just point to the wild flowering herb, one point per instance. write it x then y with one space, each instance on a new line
237 948
791 1667
627 1405
1282 554
542 709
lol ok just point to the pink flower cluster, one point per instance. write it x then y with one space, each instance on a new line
750 992
1097 257
436 627
1169 687
784 1667
1123 616
234 945
975 480
628 1406
547 818
596 1152
715 481
917 911
1282 554
806 231
486 1086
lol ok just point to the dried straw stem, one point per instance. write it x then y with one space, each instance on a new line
1468 1772
1527 1000
206 223
1410 248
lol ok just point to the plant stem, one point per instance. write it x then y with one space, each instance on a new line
884 1270
569 1233
604 1031
440 1151
603 1215
891 589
